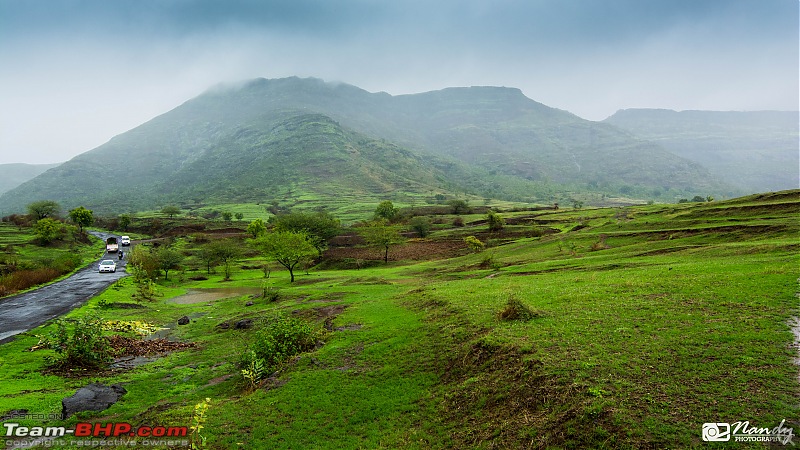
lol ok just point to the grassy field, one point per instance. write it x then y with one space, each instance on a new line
647 322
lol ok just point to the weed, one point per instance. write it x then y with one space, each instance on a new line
516 310
83 346
198 419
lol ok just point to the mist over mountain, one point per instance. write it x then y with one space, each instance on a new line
755 151
297 139
12 175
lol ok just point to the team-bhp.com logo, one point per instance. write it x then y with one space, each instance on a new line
743 432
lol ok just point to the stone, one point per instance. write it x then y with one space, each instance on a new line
183 320
94 397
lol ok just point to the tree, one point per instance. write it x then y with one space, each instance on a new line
256 228
227 252
698 199
170 210
495 222
44 209
168 259
422 225
288 248
577 204
474 244
47 230
82 217
459 206
143 263
319 227
386 210
227 216
381 234
124 221
208 255
239 216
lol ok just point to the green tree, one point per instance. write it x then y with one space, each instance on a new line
227 216
47 230
382 235
474 244
256 228
386 211
170 210
239 216
227 252
698 199
319 227
459 206
288 248
168 259
82 217
44 209
208 255
422 225
143 263
495 222
124 221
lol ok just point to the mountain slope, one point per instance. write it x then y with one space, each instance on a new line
12 175
754 151
289 138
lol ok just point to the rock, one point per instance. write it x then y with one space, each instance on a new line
243 324
183 320
248 304
224 325
94 397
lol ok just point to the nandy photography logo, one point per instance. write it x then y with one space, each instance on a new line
744 432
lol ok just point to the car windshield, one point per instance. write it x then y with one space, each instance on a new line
107 262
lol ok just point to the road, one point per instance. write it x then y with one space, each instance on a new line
23 312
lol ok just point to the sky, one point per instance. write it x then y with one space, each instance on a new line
75 73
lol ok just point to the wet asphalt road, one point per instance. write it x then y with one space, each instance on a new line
23 312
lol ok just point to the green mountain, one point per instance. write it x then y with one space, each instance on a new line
755 151
12 175
307 140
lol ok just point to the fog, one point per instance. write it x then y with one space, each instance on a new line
76 73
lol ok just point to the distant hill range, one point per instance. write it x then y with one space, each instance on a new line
12 175
755 151
307 141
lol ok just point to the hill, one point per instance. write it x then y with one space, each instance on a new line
12 175
754 151
258 142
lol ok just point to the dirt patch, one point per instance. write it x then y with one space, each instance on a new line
211 294
218 380
320 312
125 346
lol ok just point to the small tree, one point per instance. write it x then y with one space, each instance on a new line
170 210
227 216
256 228
47 230
459 206
319 227
124 221
44 209
208 255
495 222
227 252
698 199
82 217
422 225
386 211
168 259
382 235
239 216
143 263
474 244
577 204
288 248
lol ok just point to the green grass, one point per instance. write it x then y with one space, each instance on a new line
679 318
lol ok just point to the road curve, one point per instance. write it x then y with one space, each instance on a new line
23 312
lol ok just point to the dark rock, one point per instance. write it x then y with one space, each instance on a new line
248 304
183 320
224 325
243 324
94 397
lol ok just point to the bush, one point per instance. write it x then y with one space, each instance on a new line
422 225
495 222
474 244
82 345
458 222
279 341
516 310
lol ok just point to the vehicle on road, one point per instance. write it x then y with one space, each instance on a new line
111 245
125 241
107 265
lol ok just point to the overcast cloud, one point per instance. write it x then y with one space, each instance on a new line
76 73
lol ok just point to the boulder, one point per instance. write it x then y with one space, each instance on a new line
183 320
94 397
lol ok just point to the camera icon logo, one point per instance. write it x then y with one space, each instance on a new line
716 432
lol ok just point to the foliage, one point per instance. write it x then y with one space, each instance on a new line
474 244
198 419
82 217
44 209
143 263
80 345
288 248
168 259
139 327
386 211
227 216
170 211
281 339
577 204
698 199
495 222
514 309
256 228
239 216
227 252
422 225
209 256
458 222
124 221
382 235
47 230
254 372
319 226
459 206
269 293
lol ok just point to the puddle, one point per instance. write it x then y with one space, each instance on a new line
193 296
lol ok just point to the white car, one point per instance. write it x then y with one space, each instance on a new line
107 265
125 240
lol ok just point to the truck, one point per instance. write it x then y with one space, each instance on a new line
111 245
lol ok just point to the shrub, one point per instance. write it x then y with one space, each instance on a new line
278 341
82 345
458 222
269 293
495 222
474 244
422 225
516 310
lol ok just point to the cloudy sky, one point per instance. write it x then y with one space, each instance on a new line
75 73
